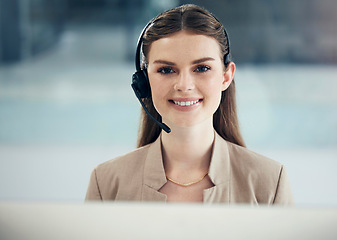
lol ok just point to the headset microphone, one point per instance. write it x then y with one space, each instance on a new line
161 125
140 83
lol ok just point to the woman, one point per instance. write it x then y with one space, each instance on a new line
203 158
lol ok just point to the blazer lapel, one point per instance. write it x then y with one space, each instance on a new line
154 174
219 173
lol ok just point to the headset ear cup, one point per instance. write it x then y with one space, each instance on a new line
140 84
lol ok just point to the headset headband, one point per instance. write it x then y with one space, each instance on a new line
139 45
140 41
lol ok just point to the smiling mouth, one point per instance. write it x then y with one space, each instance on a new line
187 103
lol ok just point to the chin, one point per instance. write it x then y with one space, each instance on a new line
189 123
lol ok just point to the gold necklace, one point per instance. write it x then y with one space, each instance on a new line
186 184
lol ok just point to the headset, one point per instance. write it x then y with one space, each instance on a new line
140 81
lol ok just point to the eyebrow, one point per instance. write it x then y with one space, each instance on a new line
201 60
206 59
164 62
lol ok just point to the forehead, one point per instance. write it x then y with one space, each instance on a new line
184 45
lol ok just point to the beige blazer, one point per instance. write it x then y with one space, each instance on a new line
238 174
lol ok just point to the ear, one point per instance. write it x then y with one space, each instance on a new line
228 75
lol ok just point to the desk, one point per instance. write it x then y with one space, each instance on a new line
81 221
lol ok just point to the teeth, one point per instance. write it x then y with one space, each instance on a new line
188 103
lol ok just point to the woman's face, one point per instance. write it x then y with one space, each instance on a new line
187 76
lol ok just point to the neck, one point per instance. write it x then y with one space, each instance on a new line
187 149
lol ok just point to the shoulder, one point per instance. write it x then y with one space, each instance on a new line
117 178
126 163
257 178
250 160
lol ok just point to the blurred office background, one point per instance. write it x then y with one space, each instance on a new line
66 104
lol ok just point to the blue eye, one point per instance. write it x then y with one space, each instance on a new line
202 68
165 70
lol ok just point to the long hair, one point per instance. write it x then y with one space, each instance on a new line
194 19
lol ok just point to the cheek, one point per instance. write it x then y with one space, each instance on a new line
216 99
213 87
158 92
156 89
214 93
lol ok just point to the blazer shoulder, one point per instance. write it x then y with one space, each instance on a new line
258 177
128 162
248 159
116 178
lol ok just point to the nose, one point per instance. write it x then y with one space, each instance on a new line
184 82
